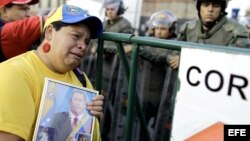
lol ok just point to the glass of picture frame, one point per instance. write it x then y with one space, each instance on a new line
62 113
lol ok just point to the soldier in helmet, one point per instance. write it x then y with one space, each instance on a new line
211 28
155 69
114 22
164 24
114 83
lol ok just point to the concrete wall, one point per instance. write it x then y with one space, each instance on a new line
45 5
182 8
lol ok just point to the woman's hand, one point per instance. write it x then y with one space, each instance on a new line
96 106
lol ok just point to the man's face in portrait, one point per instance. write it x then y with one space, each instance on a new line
77 103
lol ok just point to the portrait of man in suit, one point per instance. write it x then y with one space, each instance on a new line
67 125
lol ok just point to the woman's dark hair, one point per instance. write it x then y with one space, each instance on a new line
57 25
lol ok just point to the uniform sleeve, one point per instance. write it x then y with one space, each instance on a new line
154 55
17 37
181 34
16 103
241 42
240 38
126 27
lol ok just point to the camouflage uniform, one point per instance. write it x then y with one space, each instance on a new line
157 57
119 25
226 32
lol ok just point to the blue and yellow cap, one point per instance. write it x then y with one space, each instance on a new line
70 14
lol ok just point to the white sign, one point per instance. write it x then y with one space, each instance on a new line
214 87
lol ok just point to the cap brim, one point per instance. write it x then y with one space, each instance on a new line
30 2
33 2
94 24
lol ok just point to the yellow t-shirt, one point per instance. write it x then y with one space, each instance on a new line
21 84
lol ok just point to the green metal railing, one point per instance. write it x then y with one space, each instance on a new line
131 69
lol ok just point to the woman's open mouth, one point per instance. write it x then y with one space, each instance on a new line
77 56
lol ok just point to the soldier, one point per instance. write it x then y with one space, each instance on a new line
211 28
157 80
114 80
114 22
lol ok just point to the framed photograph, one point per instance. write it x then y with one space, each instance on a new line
62 113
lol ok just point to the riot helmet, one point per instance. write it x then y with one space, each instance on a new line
116 3
164 18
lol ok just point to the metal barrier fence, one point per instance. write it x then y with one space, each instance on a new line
131 69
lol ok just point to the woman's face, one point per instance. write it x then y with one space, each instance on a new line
210 11
68 46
